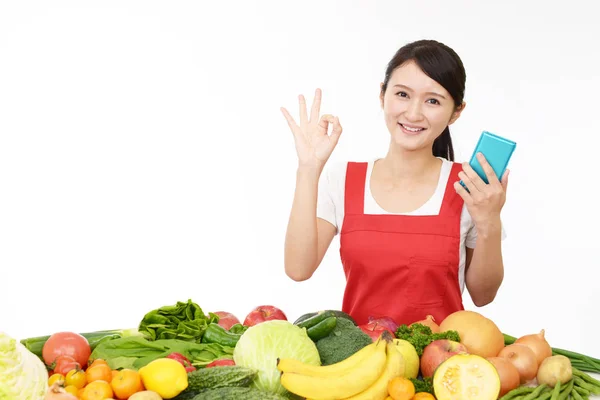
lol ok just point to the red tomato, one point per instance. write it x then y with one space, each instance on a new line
221 363
66 344
64 364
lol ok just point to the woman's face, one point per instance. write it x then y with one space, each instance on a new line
417 109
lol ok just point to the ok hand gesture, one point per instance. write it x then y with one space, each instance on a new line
313 143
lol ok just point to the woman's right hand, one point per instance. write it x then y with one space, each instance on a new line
313 143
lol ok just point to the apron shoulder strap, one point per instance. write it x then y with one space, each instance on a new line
452 203
354 195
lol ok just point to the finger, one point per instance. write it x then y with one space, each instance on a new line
290 120
487 168
302 110
324 123
471 178
505 180
337 130
316 107
462 192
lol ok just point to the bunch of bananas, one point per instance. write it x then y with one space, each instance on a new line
363 376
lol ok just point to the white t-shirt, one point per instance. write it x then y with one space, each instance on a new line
330 205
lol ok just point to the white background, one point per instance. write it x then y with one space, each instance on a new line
144 159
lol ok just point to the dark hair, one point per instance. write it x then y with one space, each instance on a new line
444 66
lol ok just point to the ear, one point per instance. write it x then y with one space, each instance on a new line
381 95
457 113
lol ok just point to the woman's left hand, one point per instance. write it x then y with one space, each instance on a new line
484 201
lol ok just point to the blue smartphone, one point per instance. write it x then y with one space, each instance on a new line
496 150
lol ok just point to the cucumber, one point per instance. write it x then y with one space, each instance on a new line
337 313
218 377
322 329
237 393
315 319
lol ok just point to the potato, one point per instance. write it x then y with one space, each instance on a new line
145 395
554 369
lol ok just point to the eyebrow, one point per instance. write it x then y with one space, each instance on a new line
407 88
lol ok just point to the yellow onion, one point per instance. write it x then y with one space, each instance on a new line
538 344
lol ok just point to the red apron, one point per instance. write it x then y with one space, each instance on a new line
400 266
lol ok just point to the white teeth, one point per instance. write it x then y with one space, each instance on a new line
412 129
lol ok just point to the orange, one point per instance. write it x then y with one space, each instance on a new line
72 389
401 388
99 372
423 396
96 362
97 390
125 383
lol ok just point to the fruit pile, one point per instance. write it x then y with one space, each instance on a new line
162 378
179 352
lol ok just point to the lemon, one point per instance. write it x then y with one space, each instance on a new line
164 376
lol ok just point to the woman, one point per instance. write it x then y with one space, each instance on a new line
411 236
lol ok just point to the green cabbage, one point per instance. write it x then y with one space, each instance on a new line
23 375
261 345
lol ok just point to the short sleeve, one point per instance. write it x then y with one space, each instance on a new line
471 239
325 199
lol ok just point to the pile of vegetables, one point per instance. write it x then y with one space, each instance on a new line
578 360
261 345
180 352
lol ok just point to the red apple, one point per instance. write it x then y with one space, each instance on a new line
226 319
437 352
375 330
262 314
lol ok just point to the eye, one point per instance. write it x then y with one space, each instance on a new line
433 101
402 94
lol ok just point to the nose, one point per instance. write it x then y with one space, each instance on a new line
413 111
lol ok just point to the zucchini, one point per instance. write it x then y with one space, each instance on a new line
337 313
218 377
237 393
322 329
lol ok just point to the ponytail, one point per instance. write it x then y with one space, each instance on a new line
442 146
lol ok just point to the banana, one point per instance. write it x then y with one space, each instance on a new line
352 382
337 369
394 367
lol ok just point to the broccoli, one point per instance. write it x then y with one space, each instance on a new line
420 336
345 340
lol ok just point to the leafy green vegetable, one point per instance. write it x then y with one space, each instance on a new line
420 336
134 352
22 374
183 321
261 345
424 384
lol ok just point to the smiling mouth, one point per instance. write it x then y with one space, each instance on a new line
413 129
